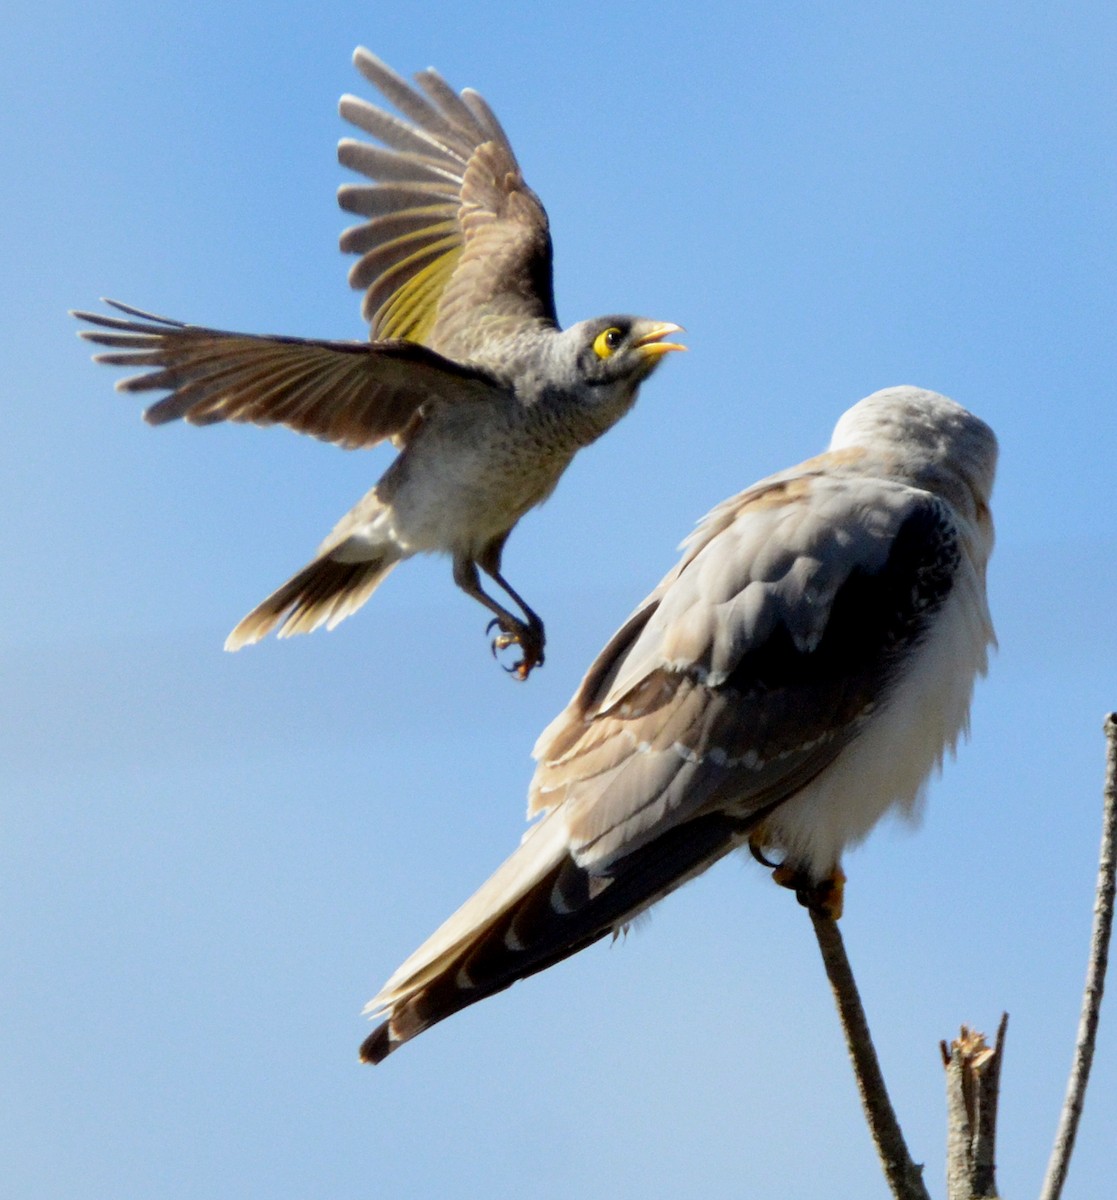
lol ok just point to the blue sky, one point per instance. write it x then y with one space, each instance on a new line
210 861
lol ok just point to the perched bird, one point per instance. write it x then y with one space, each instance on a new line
800 672
467 370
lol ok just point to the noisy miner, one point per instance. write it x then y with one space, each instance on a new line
467 370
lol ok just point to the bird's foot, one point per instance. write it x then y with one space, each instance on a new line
823 896
515 633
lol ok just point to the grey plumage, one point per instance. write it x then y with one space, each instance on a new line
801 671
467 370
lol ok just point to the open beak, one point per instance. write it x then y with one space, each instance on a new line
651 344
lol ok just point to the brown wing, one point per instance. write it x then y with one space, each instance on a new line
750 669
454 234
354 394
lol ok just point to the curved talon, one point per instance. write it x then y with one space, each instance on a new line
526 665
762 858
511 637
503 640
500 642
519 635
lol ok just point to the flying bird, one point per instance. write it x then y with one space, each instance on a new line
800 672
466 371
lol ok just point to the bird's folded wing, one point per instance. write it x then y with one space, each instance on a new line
504 935
453 232
754 662
543 848
354 394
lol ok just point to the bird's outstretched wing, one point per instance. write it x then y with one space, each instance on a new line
354 394
454 236
792 612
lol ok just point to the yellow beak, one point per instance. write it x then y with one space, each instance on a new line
651 343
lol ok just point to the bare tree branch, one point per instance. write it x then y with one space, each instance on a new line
973 1077
1095 979
905 1177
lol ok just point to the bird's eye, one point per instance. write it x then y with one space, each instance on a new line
606 343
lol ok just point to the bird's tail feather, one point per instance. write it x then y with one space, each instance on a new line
323 593
561 911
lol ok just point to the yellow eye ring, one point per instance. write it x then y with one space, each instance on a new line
607 342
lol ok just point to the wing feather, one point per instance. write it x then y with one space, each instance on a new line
752 665
454 235
353 394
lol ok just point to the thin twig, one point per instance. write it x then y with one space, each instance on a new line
905 1177
1095 979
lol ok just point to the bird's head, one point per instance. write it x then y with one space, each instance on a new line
623 351
594 369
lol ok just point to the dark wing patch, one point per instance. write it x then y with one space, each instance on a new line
354 394
876 619
454 234
677 740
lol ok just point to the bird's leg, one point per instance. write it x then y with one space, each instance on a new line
824 896
530 636
513 632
